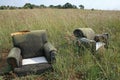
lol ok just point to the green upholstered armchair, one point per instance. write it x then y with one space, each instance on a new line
86 38
32 53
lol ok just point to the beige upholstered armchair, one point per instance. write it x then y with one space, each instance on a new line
32 53
87 39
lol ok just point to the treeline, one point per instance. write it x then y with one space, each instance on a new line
32 6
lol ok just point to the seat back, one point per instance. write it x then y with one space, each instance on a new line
84 32
30 42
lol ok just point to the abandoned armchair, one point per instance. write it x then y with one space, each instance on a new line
32 53
87 39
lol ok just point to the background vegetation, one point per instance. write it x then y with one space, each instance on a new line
31 6
60 24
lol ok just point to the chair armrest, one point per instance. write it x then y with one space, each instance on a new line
50 52
14 57
102 38
83 43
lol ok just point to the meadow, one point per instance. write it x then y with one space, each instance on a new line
60 24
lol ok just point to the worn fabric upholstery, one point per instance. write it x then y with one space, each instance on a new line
31 43
86 38
102 38
14 57
84 43
33 69
49 51
84 32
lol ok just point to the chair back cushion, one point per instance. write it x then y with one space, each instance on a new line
31 42
84 32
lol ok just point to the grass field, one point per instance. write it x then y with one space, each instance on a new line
60 24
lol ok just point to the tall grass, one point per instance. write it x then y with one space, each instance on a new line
59 24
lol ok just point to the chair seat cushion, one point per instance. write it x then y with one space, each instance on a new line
35 60
99 45
33 69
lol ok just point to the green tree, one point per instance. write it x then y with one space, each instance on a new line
28 6
42 6
12 7
92 9
67 5
51 6
3 7
81 6
74 6
59 7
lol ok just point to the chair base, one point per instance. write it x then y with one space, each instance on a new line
33 69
